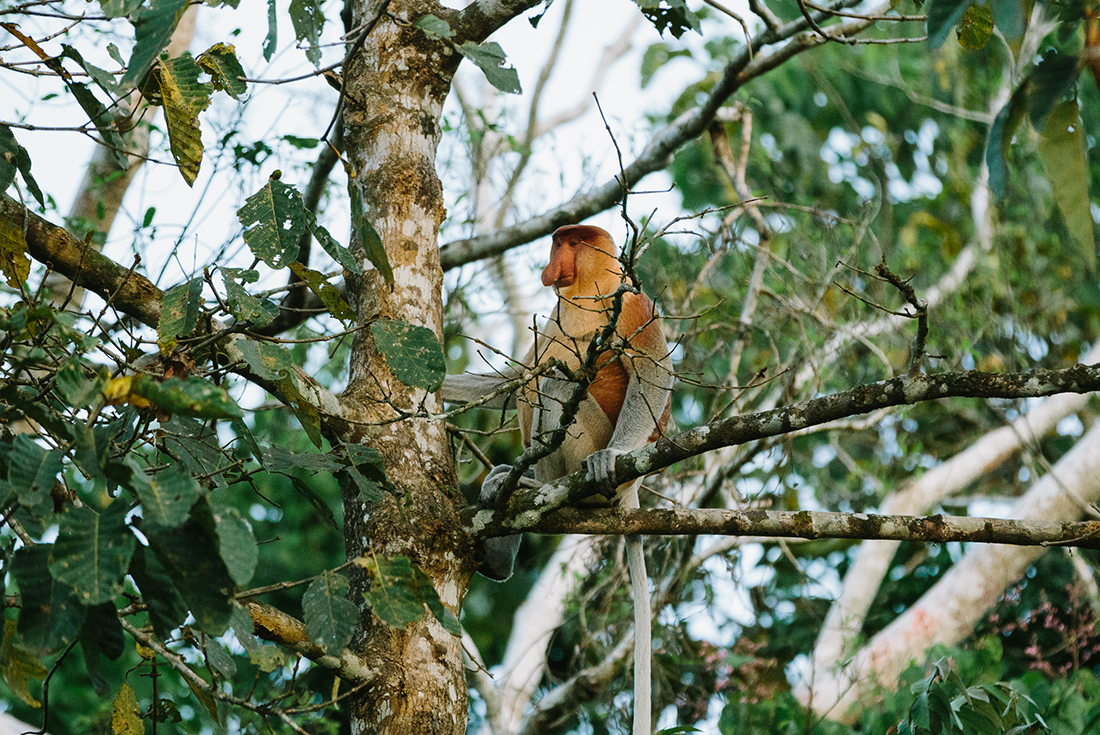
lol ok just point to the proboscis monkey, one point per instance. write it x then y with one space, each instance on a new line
626 405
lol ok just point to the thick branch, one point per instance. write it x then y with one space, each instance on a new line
126 291
288 632
526 506
938 529
745 66
480 19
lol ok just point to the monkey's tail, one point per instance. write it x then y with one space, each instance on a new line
639 583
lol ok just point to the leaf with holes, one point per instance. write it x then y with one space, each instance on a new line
274 219
179 313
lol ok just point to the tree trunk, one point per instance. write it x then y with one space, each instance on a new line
395 88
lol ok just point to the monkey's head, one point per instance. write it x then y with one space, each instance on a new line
582 257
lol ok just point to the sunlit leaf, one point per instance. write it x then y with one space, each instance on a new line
220 61
14 157
192 397
338 252
975 27
325 291
269 361
236 544
126 716
183 97
274 219
76 387
394 594
14 263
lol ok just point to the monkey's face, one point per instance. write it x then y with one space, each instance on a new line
578 252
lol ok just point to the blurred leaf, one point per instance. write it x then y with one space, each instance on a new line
1062 148
975 27
940 17
329 616
101 635
51 616
14 157
167 610
272 36
671 15
32 472
490 58
308 21
1049 81
153 28
274 219
220 61
17 667
367 236
412 352
656 56
179 313
435 26
126 716
93 551
1000 138
14 263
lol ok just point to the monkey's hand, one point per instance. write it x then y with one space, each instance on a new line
500 552
601 470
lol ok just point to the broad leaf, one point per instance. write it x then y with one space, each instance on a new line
308 20
14 263
220 61
167 610
394 594
269 361
192 397
153 28
92 552
329 616
52 615
1062 149
434 26
76 387
975 27
413 353
274 219
32 472
179 313
167 496
126 716
671 15
183 97
243 306
940 17
189 555
236 544
103 119
17 667
490 58
325 291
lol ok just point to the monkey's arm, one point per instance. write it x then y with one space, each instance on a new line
500 552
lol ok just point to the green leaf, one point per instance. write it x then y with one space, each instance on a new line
975 27
413 353
220 61
325 291
167 496
14 157
119 9
52 615
490 58
368 472
92 552
1050 80
655 57
367 236
14 263
104 79
77 389
179 313
940 17
1000 138
1062 150
101 635
32 472
153 28
330 616
434 26
338 252
274 219
431 598
272 36
394 595
304 411
103 119
243 306
671 15
17 667
167 610
308 21
269 361
183 97
126 718
192 397
189 555
236 544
